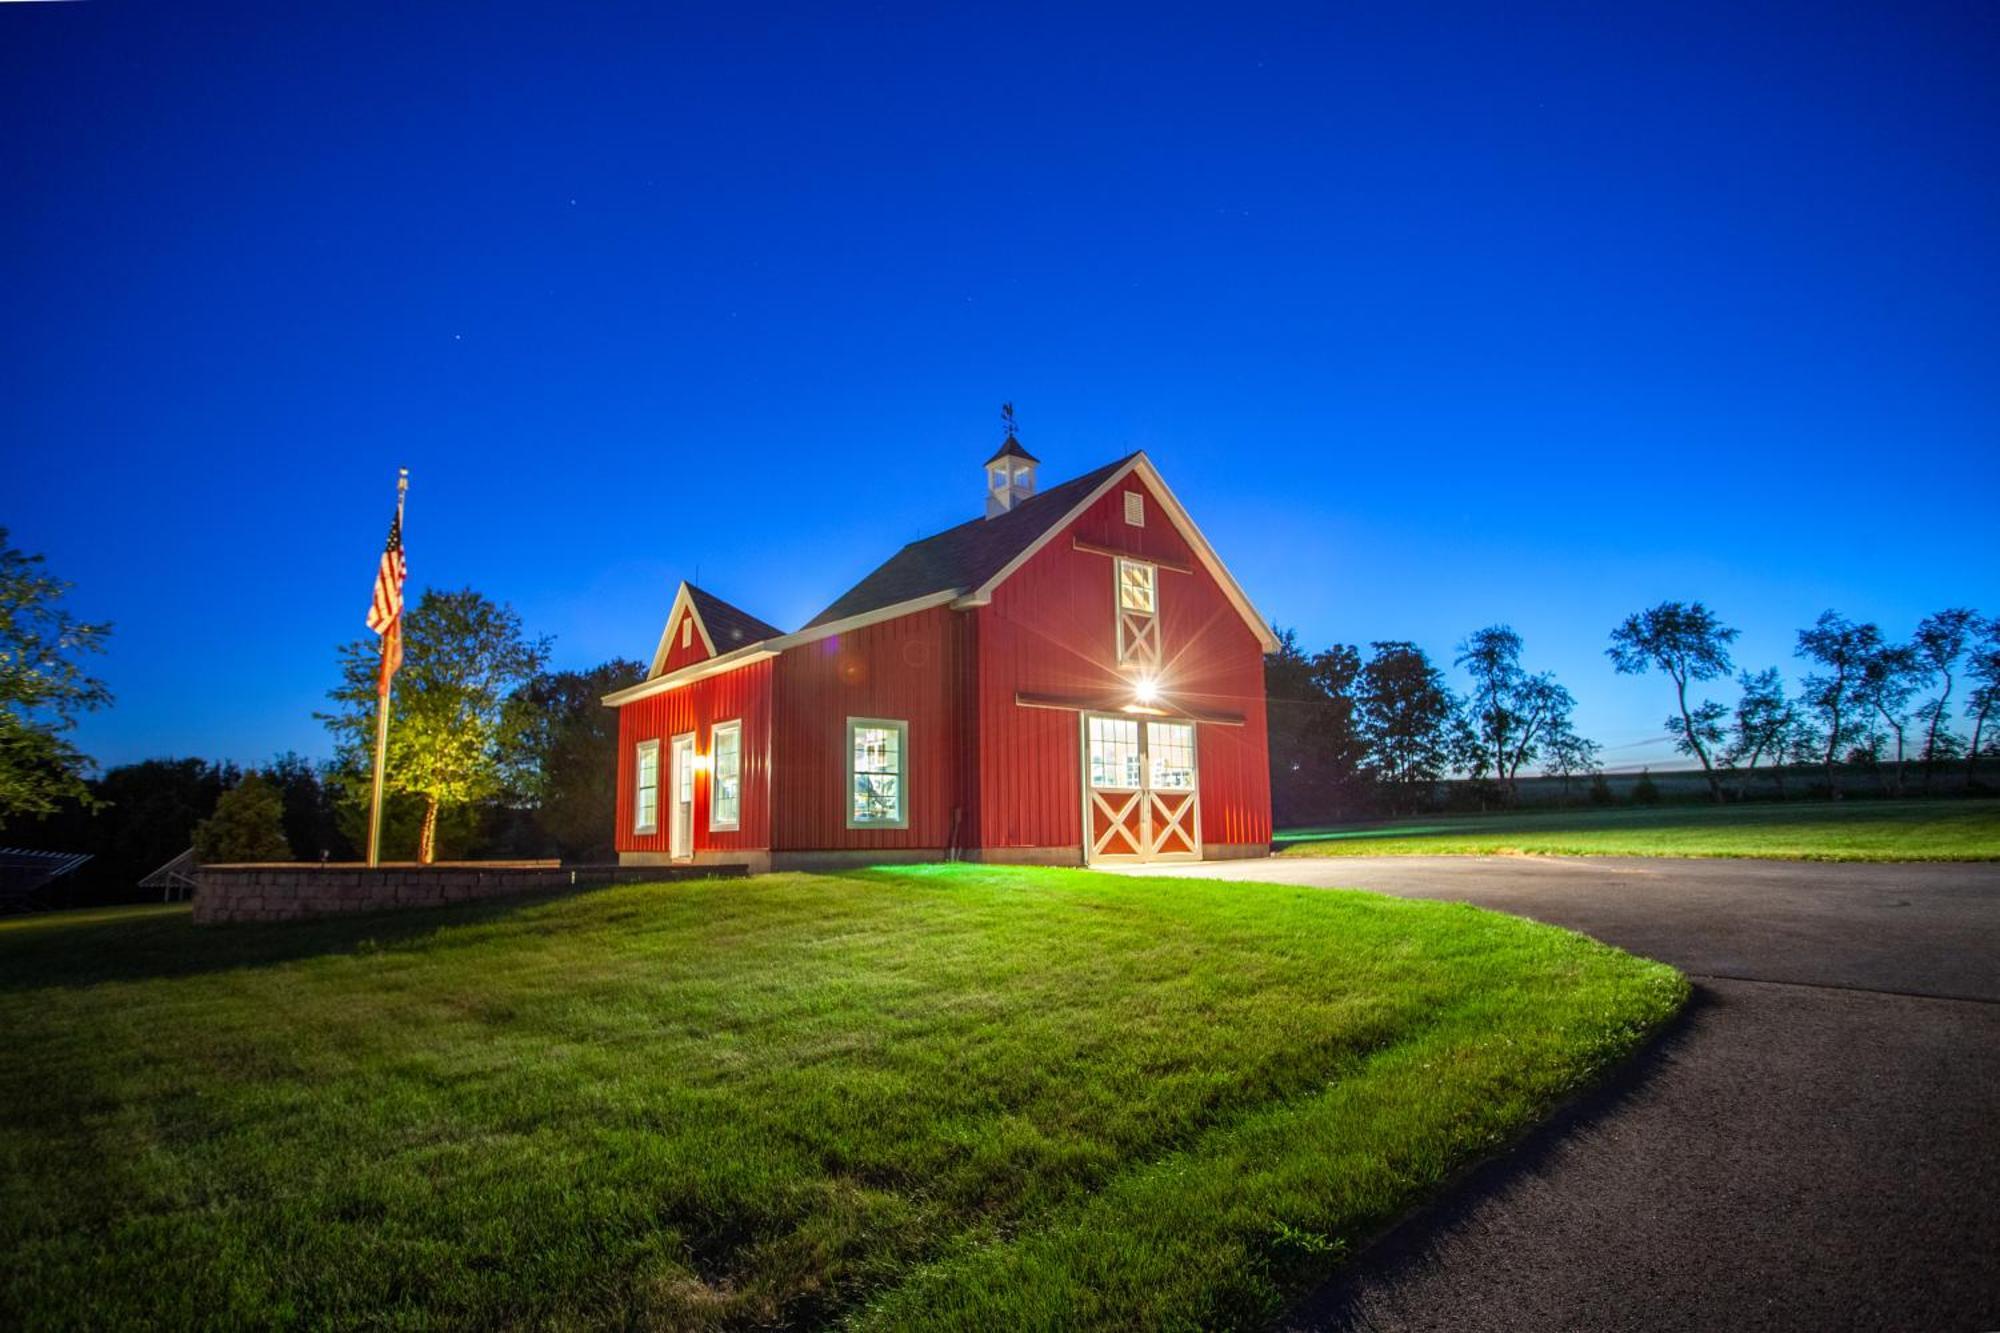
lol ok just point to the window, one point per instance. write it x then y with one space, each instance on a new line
1170 756
1135 509
877 758
725 800
1138 619
687 630
1114 753
1135 586
646 788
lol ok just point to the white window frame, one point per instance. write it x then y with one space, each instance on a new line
733 727
1127 656
902 729
687 631
639 753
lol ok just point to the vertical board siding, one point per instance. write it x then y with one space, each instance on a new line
696 651
907 669
743 694
1051 629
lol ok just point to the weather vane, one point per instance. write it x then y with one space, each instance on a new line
1007 417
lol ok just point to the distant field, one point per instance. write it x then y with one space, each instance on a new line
1845 831
939 1098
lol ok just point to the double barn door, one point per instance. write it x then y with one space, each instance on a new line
1141 800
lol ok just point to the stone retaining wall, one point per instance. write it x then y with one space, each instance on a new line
294 892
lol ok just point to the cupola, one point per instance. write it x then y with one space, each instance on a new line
1010 473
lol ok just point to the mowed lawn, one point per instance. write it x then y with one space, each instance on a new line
928 1098
1944 830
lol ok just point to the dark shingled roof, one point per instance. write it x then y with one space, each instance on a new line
729 626
967 555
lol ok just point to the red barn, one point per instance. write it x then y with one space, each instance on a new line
1073 678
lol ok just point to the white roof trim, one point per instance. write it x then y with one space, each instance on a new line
757 652
693 671
681 598
1170 503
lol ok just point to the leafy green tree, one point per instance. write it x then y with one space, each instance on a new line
1569 756
1983 666
1689 644
312 816
1406 714
1941 642
1512 713
43 688
1891 674
1316 753
464 656
565 754
248 825
1842 648
1764 726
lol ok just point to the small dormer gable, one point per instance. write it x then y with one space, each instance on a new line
700 626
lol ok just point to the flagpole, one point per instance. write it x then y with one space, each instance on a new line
382 710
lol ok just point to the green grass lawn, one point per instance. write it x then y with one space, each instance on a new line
1849 831
942 1097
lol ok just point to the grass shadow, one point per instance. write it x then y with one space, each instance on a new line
90 953
1414 1242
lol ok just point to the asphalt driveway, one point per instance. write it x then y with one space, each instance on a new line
1815 1146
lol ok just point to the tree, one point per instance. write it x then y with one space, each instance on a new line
1513 713
463 657
43 688
1688 643
1941 641
1983 665
1764 725
1842 647
1315 752
565 752
312 817
248 825
1406 714
1891 673
1568 756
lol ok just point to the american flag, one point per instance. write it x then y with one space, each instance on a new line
385 613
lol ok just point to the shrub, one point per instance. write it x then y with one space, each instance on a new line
1644 792
248 825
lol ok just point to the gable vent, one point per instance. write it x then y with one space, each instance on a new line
1135 509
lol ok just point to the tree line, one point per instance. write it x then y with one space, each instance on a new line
1351 736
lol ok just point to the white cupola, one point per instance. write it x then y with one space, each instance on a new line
1010 473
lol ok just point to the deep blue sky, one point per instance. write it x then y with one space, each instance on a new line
1433 317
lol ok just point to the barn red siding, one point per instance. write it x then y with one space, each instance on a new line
1051 629
906 669
745 694
696 651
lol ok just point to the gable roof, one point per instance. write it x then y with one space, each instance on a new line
729 626
959 567
966 556
724 628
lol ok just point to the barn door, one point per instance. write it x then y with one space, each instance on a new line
1141 800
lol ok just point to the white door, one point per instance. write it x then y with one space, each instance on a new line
680 788
1141 800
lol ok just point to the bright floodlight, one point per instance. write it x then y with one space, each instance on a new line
1148 690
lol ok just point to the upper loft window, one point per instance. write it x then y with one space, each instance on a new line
1138 614
1136 586
1135 509
687 630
